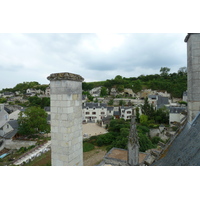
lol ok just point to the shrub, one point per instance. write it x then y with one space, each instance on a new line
156 139
87 147
145 142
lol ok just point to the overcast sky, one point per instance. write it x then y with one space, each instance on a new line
96 57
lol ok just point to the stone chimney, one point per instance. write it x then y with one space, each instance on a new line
66 119
193 74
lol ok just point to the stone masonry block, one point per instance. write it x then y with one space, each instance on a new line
64 158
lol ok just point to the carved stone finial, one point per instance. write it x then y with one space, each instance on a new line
65 76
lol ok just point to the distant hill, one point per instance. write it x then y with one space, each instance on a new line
173 83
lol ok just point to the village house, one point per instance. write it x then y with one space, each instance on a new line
93 112
126 112
95 92
33 92
7 94
47 91
185 96
177 114
158 101
8 128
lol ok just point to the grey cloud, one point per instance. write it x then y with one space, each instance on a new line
37 55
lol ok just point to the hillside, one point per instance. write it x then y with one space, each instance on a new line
173 83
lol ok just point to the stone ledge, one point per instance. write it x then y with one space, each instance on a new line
65 76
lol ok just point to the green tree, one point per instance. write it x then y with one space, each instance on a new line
162 115
103 92
164 71
147 109
137 115
45 102
22 87
145 142
111 101
34 101
120 88
144 119
3 100
137 86
121 102
33 120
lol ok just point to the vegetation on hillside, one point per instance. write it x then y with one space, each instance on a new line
22 87
174 83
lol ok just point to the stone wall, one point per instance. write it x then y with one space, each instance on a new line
17 144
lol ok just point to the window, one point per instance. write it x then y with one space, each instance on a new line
102 113
93 108
94 113
87 113
128 112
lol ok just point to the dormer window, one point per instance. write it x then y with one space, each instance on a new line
94 108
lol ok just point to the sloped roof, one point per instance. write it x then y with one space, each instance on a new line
15 125
185 149
162 101
94 105
110 108
3 117
177 109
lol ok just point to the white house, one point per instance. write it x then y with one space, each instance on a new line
177 114
185 96
94 111
4 118
126 112
8 94
34 91
95 92
47 91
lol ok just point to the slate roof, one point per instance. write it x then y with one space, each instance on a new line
15 125
125 107
3 118
162 101
116 113
110 108
177 109
185 149
152 96
94 105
